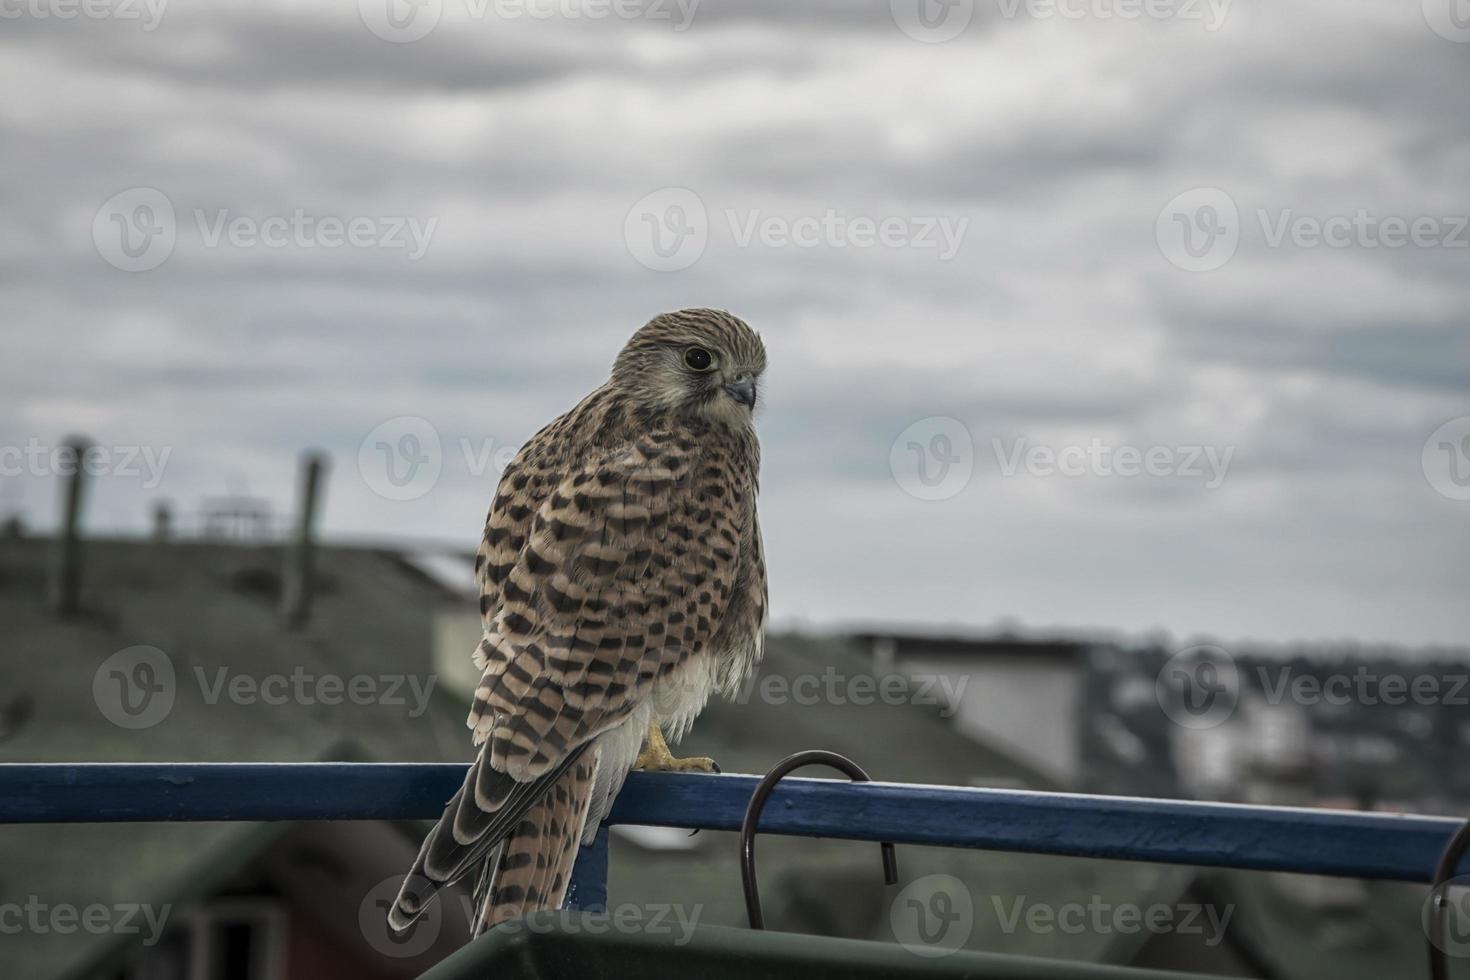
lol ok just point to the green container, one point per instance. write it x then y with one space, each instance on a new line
591 946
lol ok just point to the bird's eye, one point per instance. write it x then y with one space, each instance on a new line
699 359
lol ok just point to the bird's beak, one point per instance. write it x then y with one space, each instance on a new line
743 391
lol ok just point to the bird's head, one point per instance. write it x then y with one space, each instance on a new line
702 361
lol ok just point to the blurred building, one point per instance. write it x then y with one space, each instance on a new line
1006 679
1366 729
292 902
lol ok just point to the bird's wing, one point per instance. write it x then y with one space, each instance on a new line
624 571
743 628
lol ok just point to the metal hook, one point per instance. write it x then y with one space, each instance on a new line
1449 862
758 802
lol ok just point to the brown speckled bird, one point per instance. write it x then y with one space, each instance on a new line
621 583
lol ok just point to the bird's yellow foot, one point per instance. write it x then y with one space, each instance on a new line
656 756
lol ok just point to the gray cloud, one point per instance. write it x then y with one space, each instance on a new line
1059 320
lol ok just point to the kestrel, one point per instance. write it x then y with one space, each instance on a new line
621 584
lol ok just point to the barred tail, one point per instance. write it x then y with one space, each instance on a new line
535 863
488 808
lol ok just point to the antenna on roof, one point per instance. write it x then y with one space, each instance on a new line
163 521
66 586
301 558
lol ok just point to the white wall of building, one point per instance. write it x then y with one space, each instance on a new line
1026 707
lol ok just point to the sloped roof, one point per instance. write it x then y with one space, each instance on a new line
207 607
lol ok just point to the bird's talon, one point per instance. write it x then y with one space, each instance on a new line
695 764
656 757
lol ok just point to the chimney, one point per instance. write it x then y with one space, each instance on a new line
301 556
66 586
163 521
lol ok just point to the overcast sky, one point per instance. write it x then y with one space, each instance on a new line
1004 254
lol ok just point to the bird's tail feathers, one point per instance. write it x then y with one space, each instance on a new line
535 863
488 807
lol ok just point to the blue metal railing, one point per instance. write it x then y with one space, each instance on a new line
1326 842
